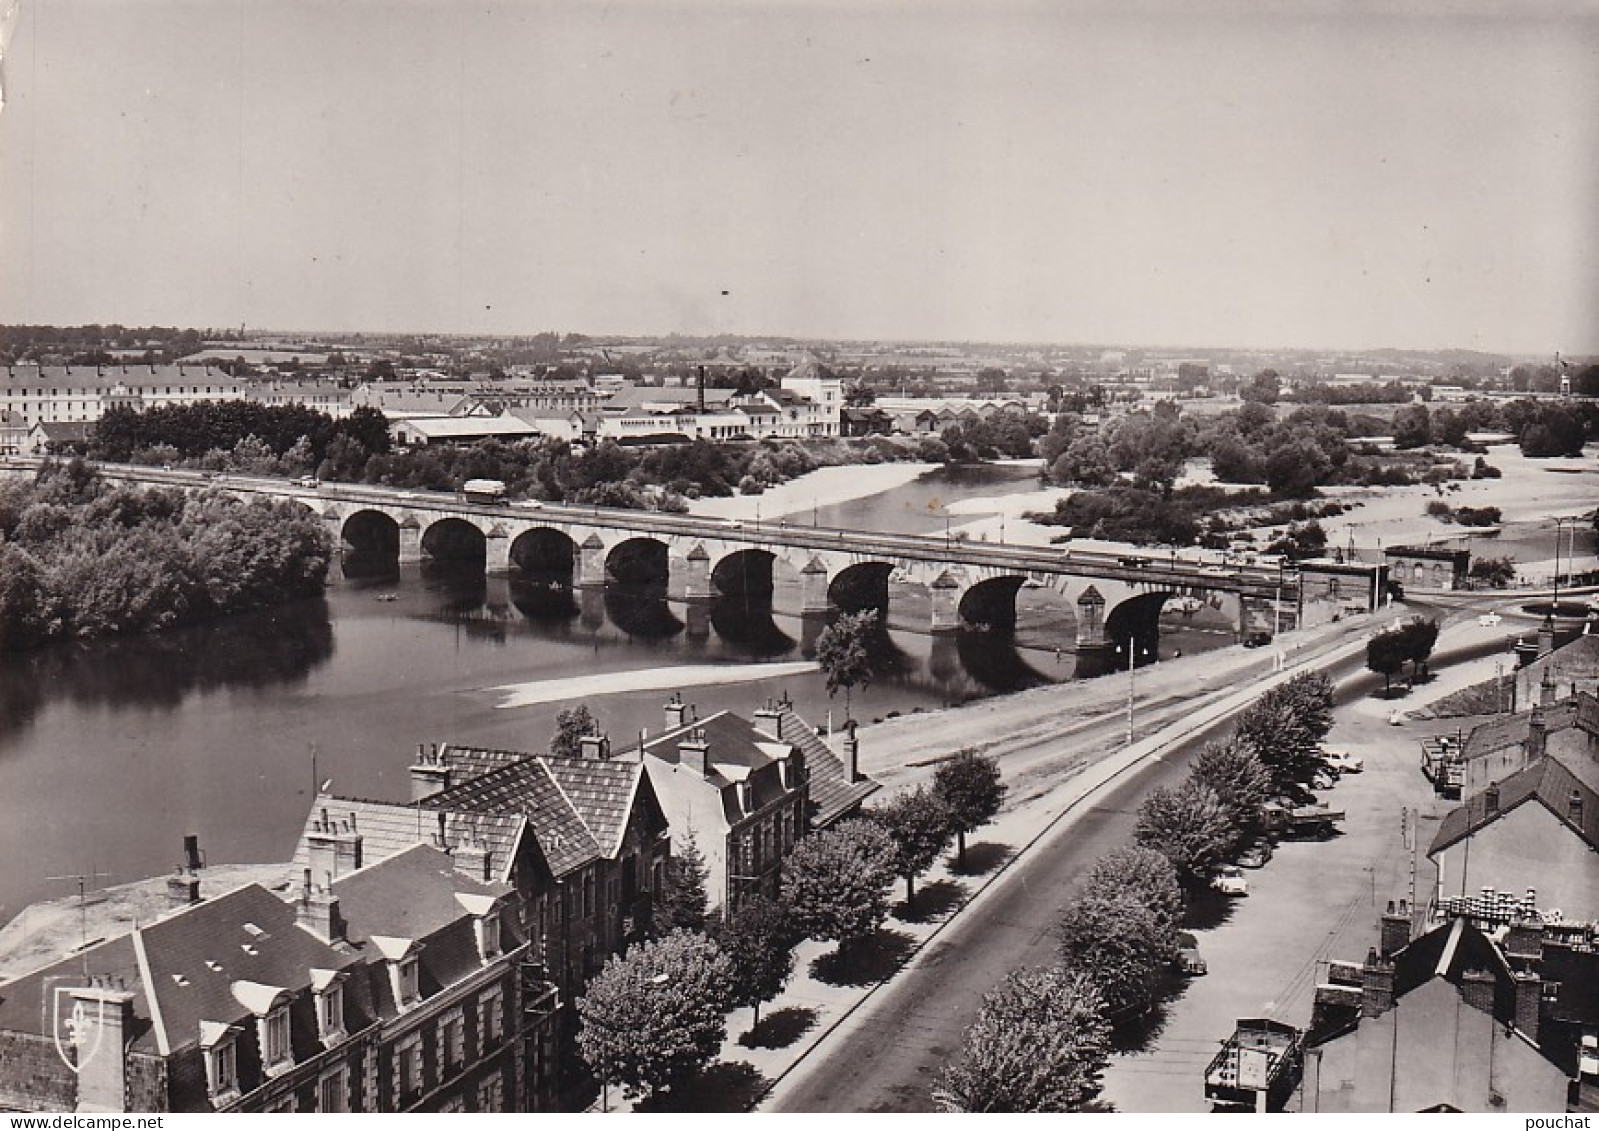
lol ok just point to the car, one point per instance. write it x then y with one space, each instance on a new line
527 504
1322 779
1344 762
1488 620
1229 880
306 481
1259 638
1189 960
1397 719
1256 855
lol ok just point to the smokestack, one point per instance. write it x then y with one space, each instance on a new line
702 389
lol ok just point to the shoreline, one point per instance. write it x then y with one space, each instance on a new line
824 487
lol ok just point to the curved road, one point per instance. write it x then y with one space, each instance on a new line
885 1058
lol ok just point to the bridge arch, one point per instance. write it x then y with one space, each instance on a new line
370 531
990 605
639 561
861 586
545 553
1137 620
744 573
454 539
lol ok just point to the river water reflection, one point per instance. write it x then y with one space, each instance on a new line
111 750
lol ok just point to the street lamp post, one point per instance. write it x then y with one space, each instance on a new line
1554 606
1132 656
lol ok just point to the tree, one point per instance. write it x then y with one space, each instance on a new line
1238 778
759 942
682 905
572 725
844 650
1121 944
1412 427
1039 1044
836 882
970 792
1145 874
655 1016
1416 640
919 826
1285 727
1386 655
1189 825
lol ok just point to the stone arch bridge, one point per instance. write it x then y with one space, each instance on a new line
972 584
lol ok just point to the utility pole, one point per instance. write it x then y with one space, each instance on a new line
1132 656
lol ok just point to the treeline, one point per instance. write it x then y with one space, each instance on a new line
206 434
1541 428
1042 1038
81 558
28 343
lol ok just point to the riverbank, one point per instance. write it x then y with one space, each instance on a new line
824 487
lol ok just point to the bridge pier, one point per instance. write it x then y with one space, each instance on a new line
411 540
946 592
813 590
497 552
1091 620
591 563
697 583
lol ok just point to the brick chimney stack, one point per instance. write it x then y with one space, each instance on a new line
676 712
1477 987
1395 928
317 910
594 746
1537 734
1529 1005
694 753
429 773
105 1016
1376 985
334 845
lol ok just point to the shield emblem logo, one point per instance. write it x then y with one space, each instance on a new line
75 1027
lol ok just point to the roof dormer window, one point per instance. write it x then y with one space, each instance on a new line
485 912
404 969
328 985
218 1043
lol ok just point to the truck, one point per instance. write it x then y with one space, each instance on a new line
1443 762
484 490
1282 818
1257 1067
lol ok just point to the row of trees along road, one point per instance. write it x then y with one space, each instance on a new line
1041 1039
655 1016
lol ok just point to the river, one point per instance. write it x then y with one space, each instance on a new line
111 750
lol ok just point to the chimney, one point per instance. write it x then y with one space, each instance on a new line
183 888
1376 986
429 773
191 853
1546 688
770 719
1537 734
474 859
702 389
595 746
1524 940
1395 928
851 753
1529 1004
676 712
317 910
1477 987
1574 807
333 845
105 1016
1490 799
694 753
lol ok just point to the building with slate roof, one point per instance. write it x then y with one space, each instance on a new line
82 393
1458 1020
745 791
402 985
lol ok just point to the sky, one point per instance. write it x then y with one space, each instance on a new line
1305 173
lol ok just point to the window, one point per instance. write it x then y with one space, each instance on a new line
283 1105
224 1065
452 1039
333 1091
409 988
488 935
275 1049
491 1094
408 1068
492 1023
330 1011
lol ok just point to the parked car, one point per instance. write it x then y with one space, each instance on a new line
1343 762
306 481
1322 779
1229 880
1256 855
1189 960
1259 638
1488 620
